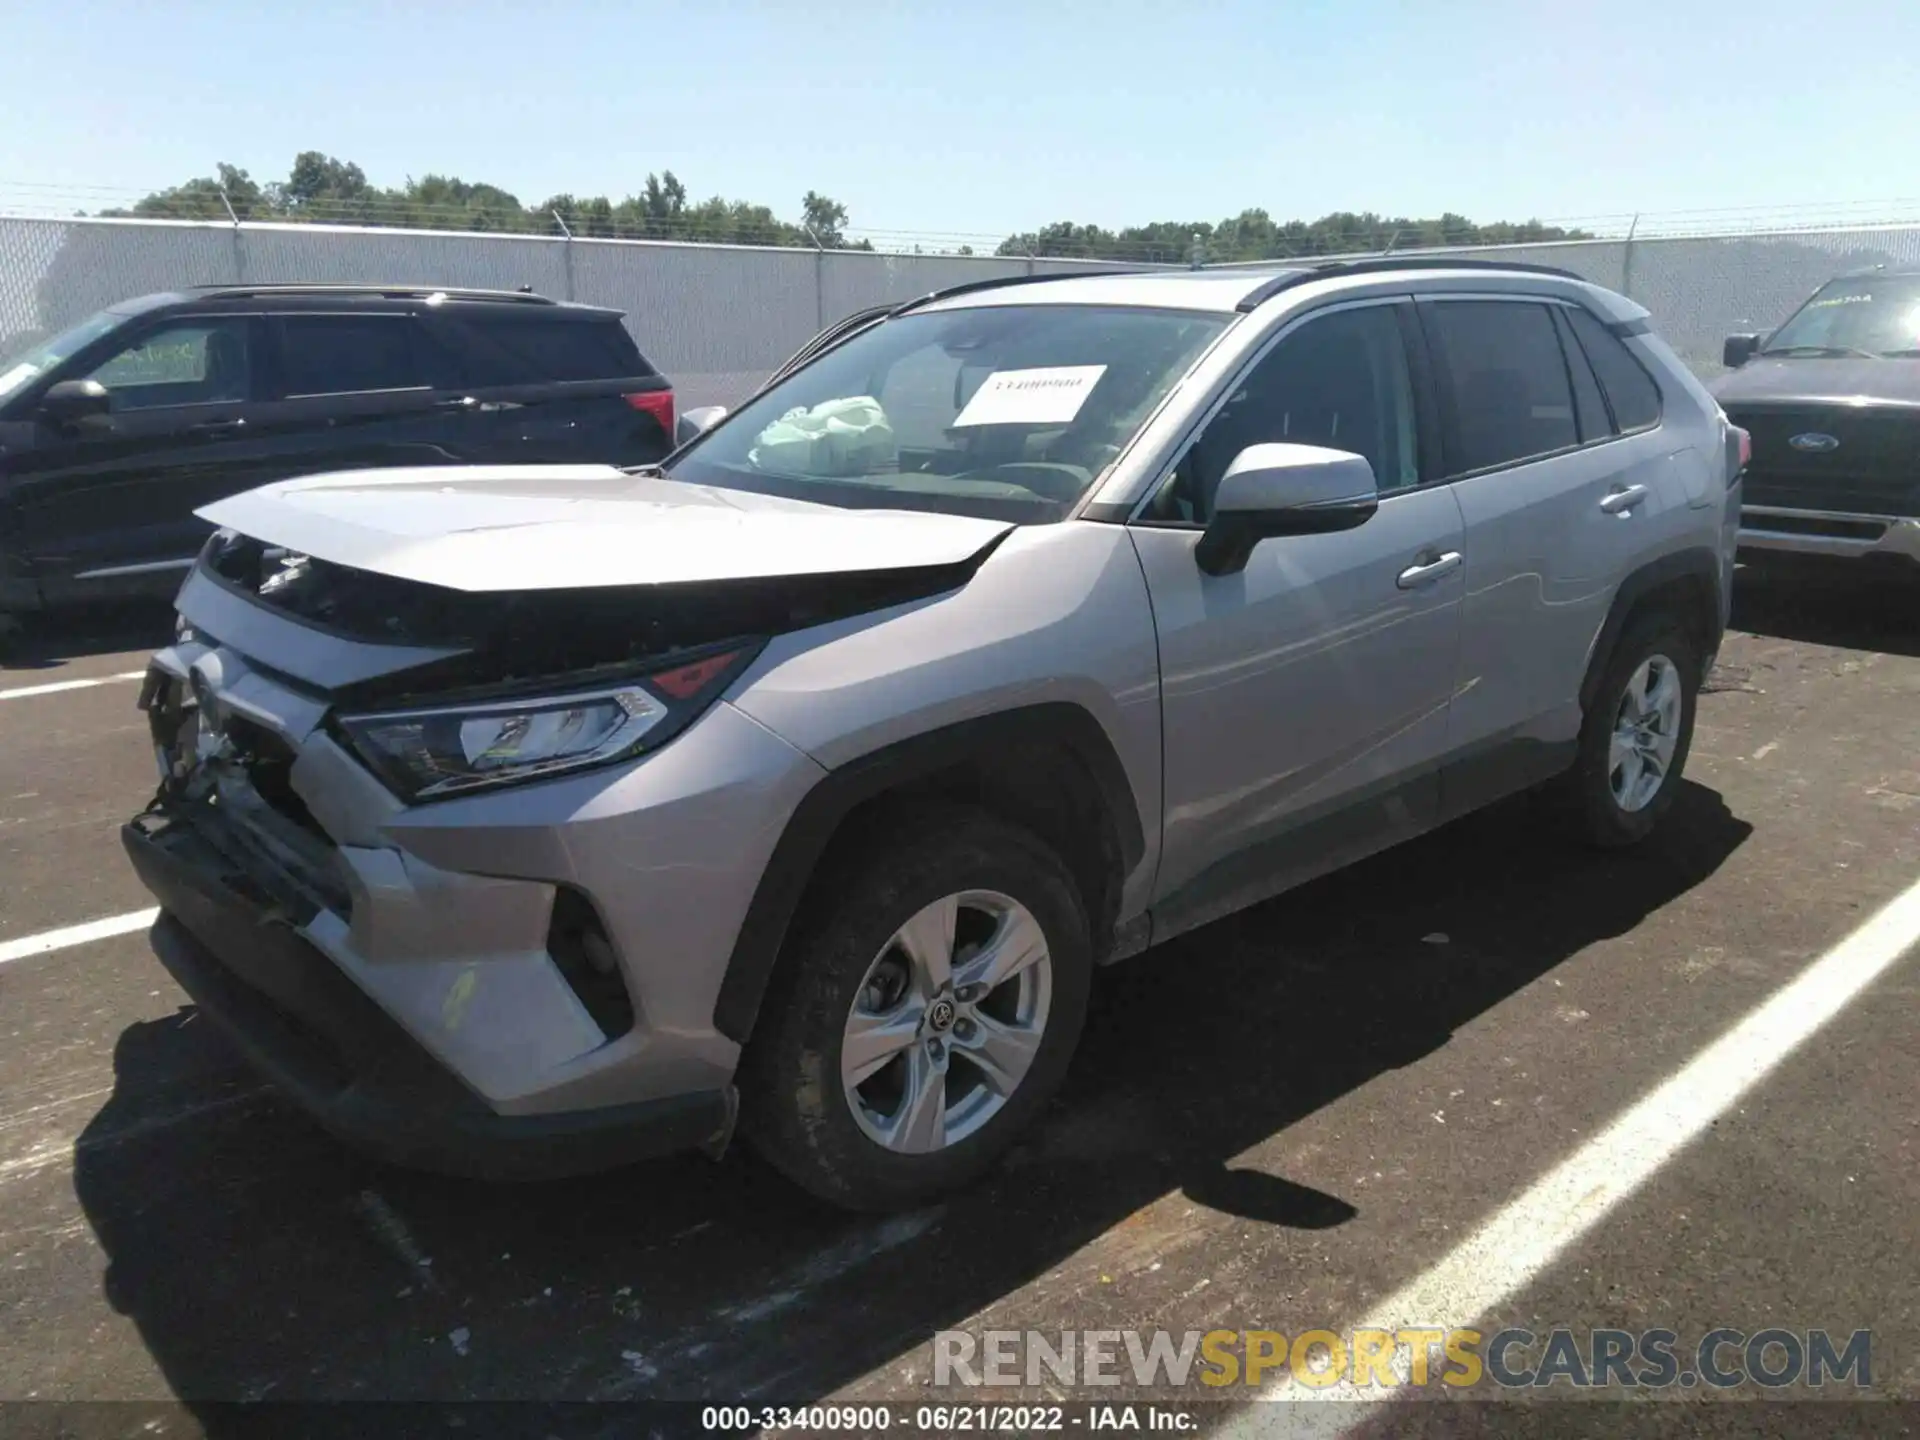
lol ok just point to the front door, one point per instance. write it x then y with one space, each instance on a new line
103 511
1305 699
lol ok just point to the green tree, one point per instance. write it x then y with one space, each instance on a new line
200 199
324 188
826 218
1255 235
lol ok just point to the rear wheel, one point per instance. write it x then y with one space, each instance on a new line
1635 739
924 1012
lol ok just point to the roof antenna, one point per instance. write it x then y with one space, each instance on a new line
524 290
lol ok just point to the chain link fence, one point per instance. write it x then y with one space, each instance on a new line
717 318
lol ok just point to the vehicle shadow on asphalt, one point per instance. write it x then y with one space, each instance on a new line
260 1260
1850 606
47 643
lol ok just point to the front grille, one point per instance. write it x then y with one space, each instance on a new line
1874 469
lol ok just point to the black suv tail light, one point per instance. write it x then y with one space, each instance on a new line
657 403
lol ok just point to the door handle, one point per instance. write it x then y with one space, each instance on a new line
213 429
1428 571
1619 502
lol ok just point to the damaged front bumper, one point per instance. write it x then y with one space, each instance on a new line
238 952
417 976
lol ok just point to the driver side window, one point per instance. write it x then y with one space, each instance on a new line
197 362
1341 381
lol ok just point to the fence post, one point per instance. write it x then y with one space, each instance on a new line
819 279
239 241
1626 259
566 250
1031 267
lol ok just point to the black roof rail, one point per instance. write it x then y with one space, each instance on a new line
1301 272
386 292
972 285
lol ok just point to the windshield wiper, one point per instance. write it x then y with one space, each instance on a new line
1900 354
1821 350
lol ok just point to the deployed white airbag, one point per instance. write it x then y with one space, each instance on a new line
848 436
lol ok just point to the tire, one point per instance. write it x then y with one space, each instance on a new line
859 1143
1599 799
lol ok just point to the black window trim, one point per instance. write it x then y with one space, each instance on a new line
1622 334
1443 383
80 367
1571 350
276 325
1419 374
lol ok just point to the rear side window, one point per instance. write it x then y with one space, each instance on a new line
1630 390
521 349
1511 397
344 354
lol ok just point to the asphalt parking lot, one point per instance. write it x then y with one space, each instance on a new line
1275 1123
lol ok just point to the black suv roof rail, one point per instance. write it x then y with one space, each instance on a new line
385 292
1299 272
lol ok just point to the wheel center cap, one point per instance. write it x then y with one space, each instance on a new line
940 1015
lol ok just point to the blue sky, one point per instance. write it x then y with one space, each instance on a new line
982 116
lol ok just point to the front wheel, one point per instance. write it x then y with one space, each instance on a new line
923 1014
1635 738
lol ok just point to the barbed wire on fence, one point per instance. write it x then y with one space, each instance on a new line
741 224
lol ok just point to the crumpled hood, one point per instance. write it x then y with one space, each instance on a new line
550 527
1819 381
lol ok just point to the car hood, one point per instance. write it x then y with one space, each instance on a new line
554 527
1817 381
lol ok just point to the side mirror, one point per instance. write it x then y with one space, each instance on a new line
1738 350
1274 490
694 423
78 405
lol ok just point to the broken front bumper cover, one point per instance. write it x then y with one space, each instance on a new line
310 1029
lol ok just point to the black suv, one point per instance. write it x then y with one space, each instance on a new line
115 432
1832 401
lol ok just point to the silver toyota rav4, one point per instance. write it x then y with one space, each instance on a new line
530 820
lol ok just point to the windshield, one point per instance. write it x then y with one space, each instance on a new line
21 368
1006 412
1871 315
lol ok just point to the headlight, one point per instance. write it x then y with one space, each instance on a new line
429 754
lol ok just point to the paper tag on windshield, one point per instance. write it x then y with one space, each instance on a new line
1049 396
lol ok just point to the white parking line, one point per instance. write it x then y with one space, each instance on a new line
1496 1262
49 940
57 686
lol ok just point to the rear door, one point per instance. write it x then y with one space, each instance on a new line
109 510
1558 505
553 385
350 389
